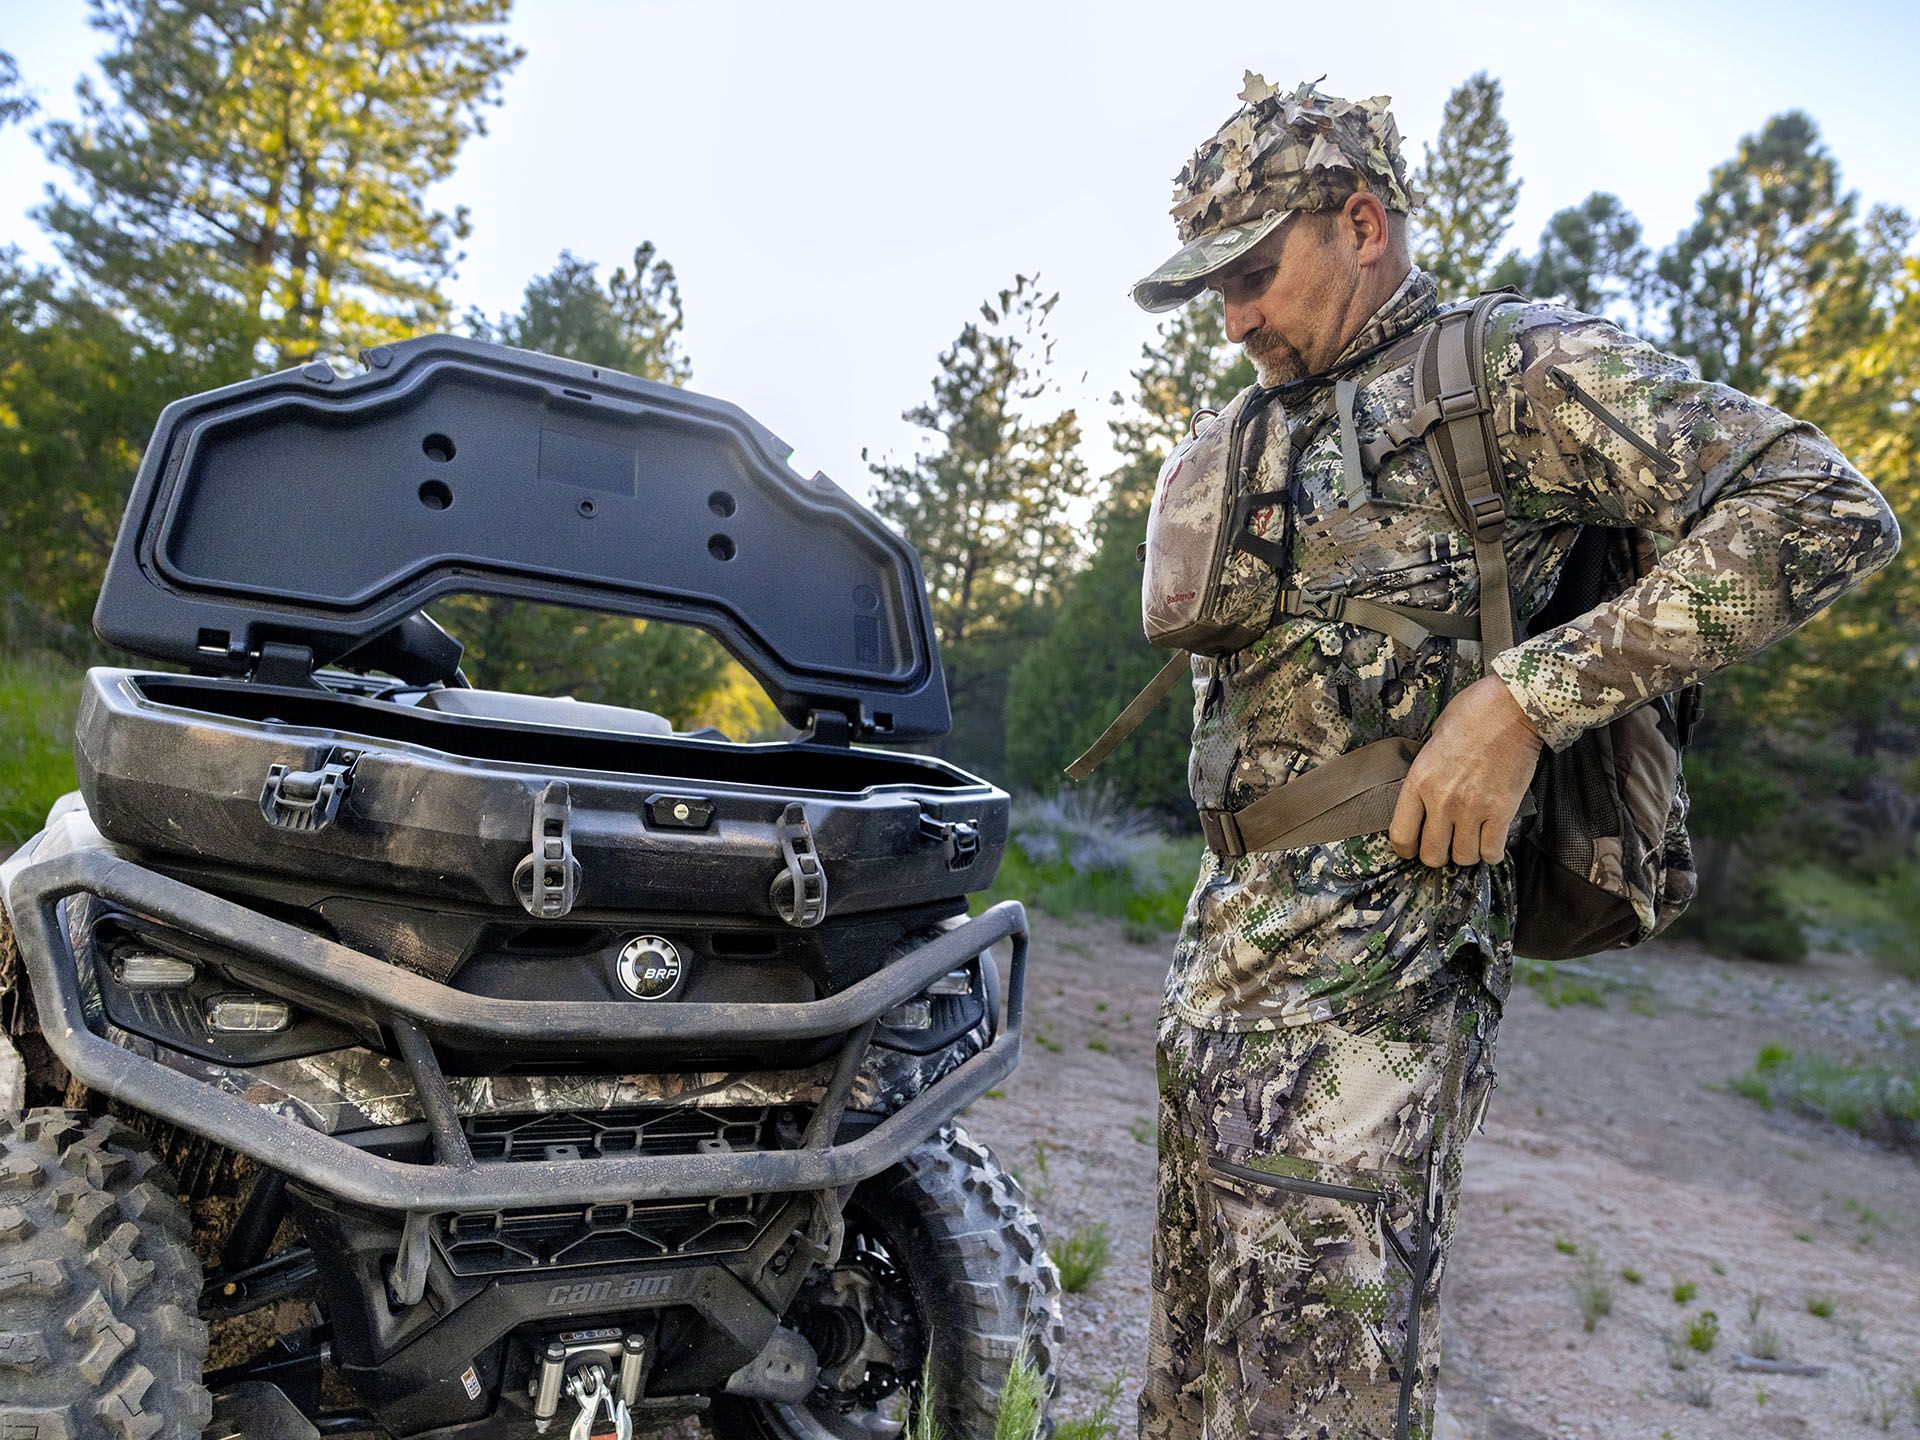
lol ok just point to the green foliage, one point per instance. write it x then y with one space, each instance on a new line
15 103
1069 858
1100 1425
1082 1256
1703 1332
253 176
1023 1400
633 324
1683 1291
1470 191
1553 984
1773 233
38 695
1745 914
1591 258
1873 1100
1876 915
1592 1290
988 503
1069 683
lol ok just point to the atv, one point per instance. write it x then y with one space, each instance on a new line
476 1064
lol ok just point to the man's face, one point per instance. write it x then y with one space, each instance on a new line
1287 299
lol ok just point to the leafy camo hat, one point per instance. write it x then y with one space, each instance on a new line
1280 153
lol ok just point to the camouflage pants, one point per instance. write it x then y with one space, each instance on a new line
1307 1186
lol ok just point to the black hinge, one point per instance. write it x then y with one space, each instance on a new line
827 727
799 892
961 837
548 880
307 799
290 666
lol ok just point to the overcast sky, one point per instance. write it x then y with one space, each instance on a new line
839 186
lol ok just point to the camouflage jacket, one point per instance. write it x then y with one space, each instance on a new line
1595 427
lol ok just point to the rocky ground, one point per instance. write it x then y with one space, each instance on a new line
1614 1159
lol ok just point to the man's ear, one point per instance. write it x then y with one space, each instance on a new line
1363 223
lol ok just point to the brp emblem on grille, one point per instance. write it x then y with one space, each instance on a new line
650 967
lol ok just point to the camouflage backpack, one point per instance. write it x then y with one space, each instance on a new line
1601 858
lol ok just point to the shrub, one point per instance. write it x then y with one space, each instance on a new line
1754 922
1703 1331
1082 1256
1871 1100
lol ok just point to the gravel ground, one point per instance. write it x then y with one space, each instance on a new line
1611 1133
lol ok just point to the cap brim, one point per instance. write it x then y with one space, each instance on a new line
1186 274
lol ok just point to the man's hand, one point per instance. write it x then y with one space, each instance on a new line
1468 780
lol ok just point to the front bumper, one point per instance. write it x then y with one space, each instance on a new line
415 1010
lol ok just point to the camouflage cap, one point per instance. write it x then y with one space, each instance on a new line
1280 153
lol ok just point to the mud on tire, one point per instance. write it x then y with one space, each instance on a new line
99 1287
976 1262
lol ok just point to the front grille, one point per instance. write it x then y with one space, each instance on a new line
634 1130
491 1242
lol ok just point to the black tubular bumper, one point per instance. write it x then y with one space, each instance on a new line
416 1009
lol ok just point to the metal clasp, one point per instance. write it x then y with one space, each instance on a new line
961 837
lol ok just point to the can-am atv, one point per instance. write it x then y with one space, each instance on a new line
521 1063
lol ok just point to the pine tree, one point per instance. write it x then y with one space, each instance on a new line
15 103
632 325
990 505
1072 681
1772 245
1470 191
253 178
1591 258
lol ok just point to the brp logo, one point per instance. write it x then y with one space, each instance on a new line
650 967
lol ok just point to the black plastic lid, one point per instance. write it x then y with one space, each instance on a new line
307 515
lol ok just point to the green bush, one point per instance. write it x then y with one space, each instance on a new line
1080 854
1871 1100
38 695
1754 921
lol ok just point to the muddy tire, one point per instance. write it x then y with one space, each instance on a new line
975 1262
99 1287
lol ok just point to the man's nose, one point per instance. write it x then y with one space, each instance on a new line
1242 321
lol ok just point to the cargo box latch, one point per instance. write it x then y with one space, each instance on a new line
307 799
549 878
799 892
961 837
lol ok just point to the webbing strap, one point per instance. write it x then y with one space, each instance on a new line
1352 795
1411 626
1450 374
1141 706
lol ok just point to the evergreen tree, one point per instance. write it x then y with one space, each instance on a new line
15 103
632 325
253 177
1072 681
1772 245
1591 258
990 505
1470 190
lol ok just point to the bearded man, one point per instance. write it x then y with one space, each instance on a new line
1326 1043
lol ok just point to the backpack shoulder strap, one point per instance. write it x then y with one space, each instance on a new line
1450 375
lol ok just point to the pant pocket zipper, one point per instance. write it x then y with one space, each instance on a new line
1287 1182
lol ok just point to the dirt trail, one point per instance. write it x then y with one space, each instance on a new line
1609 1134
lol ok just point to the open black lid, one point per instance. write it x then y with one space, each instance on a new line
306 515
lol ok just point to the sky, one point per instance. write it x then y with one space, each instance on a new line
839 186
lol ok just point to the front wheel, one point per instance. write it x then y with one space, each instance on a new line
943 1256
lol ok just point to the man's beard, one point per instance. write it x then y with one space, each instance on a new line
1275 362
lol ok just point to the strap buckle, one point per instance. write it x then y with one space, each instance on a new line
1489 512
1460 404
1312 604
1223 833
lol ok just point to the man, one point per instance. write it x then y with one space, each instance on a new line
1326 1043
